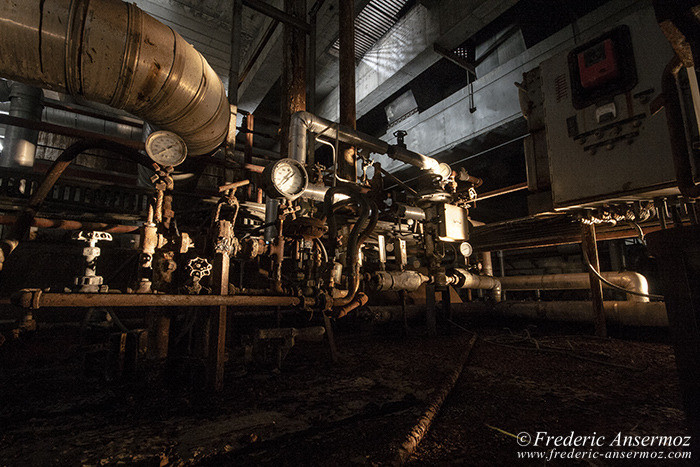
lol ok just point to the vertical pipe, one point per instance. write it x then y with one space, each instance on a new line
217 327
347 157
589 245
293 71
249 122
216 351
20 143
502 269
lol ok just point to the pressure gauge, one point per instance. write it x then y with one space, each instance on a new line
166 148
285 178
466 249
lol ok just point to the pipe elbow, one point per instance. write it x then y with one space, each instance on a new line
635 282
111 52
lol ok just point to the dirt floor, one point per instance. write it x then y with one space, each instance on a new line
354 412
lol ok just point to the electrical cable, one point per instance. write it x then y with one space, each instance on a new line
610 284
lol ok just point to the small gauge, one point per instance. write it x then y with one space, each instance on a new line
466 249
166 148
285 178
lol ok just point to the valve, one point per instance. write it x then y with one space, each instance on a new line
197 268
400 136
90 282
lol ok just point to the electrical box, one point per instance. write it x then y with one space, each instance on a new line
603 142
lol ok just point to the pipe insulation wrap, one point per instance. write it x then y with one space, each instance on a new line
629 280
112 52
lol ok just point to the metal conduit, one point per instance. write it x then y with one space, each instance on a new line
112 52
303 122
629 280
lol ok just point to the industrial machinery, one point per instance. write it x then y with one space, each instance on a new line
322 241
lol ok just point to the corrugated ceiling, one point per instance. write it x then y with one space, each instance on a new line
375 20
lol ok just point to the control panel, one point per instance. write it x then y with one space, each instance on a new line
604 142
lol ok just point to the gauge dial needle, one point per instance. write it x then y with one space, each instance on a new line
284 180
166 149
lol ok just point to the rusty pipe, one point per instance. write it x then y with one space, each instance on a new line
35 298
360 300
112 52
67 224
629 280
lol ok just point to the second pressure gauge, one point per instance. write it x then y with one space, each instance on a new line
285 178
166 148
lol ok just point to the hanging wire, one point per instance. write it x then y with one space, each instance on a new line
610 284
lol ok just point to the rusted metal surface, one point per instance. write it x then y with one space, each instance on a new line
590 247
217 324
66 224
359 300
111 52
293 72
33 298
347 156
233 185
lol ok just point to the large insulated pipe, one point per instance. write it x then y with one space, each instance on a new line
111 52
304 122
463 279
629 280
19 146
397 280
626 313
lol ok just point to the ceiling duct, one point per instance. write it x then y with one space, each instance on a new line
111 52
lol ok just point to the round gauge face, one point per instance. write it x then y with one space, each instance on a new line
166 148
289 178
466 249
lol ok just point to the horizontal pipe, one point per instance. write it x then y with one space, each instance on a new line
629 280
65 224
502 191
304 122
67 131
463 279
111 52
626 313
34 298
318 193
